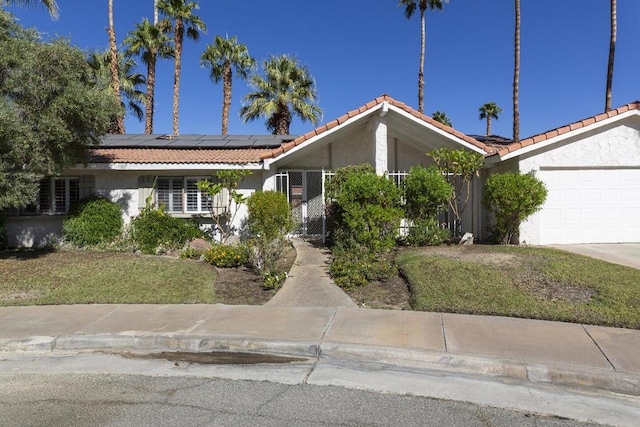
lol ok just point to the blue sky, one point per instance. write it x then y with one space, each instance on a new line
361 49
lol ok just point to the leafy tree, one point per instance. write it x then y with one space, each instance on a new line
149 41
287 88
130 80
410 6
51 5
612 50
185 21
115 77
516 76
489 111
459 167
512 197
51 110
223 211
441 117
222 57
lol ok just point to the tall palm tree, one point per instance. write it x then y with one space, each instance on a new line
149 41
287 88
224 56
612 51
51 5
181 13
130 81
489 111
441 116
410 7
114 66
516 76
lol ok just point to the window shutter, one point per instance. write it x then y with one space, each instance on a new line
87 185
145 189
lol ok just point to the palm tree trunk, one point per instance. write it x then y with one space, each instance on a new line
226 103
155 12
151 85
114 67
179 36
283 120
421 72
516 76
488 124
612 51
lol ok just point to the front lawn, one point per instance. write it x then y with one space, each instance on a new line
87 277
529 282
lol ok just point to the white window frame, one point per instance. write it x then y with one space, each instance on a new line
67 196
202 202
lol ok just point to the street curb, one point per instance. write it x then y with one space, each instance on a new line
413 360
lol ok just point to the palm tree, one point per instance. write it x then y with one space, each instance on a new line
149 41
410 7
516 76
114 66
223 56
181 12
612 51
100 65
51 5
440 116
489 111
287 87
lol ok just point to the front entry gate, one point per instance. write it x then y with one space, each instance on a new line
305 190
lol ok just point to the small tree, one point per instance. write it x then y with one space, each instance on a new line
459 168
222 211
512 197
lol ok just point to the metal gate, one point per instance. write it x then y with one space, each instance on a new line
305 192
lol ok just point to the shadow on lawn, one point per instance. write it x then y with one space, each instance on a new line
25 254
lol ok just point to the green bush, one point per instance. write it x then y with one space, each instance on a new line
155 229
226 256
191 253
92 221
364 209
426 192
268 224
512 197
426 232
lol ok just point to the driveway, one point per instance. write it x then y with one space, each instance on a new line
618 253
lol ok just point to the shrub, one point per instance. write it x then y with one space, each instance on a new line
267 226
155 229
512 197
191 253
426 192
93 221
226 256
426 232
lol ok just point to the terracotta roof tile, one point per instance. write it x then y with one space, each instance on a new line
176 155
567 128
372 104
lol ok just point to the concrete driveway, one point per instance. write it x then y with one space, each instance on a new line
618 253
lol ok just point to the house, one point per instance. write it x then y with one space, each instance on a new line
591 169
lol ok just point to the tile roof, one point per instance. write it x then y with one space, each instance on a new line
176 155
353 113
502 151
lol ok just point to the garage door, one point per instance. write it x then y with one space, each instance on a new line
591 206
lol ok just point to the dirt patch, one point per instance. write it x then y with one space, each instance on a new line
241 286
472 254
390 294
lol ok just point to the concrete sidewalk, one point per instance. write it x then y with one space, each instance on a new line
527 350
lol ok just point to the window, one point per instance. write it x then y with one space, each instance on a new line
55 197
182 195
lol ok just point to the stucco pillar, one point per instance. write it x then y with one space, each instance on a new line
380 145
268 177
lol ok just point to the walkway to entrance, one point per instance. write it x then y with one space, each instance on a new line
627 254
309 284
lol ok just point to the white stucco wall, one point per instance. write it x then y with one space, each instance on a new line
609 146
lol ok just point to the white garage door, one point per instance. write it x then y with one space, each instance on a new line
591 206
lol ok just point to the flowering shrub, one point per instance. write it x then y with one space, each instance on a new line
226 256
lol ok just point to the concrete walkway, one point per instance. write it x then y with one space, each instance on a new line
309 284
627 254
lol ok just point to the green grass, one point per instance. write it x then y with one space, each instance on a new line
86 277
536 283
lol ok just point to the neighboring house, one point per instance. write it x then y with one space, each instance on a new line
591 168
